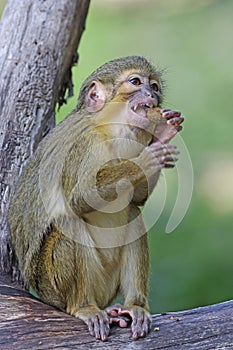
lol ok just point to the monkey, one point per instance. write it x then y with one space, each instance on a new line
75 217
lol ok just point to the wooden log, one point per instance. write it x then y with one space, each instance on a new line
27 323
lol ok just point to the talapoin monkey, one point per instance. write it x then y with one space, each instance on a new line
74 218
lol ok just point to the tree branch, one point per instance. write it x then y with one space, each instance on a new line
27 323
39 41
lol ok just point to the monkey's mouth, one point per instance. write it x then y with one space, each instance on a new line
142 108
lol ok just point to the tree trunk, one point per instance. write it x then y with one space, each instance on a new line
27 323
39 41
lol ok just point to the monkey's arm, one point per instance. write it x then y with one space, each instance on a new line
142 183
144 189
111 181
120 179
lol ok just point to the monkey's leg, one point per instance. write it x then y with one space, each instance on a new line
135 310
81 301
54 272
61 280
134 281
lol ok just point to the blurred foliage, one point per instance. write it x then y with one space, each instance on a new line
191 41
2 4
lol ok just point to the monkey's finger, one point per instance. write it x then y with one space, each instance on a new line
178 128
146 326
171 150
165 150
90 325
112 311
163 110
104 329
136 324
137 330
169 114
128 313
97 332
167 159
176 121
169 165
122 322
161 146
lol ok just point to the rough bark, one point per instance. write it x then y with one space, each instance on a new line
39 41
27 323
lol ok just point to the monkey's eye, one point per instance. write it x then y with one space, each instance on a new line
135 81
154 86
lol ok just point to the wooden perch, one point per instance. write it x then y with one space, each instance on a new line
27 323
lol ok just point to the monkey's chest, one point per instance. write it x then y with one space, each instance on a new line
108 230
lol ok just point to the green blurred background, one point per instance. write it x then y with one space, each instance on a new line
193 42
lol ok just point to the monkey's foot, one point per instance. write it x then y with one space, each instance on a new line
114 317
139 318
96 320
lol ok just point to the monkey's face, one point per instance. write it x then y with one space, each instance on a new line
131 104
140 91
142 95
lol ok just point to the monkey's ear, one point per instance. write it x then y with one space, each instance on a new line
96 97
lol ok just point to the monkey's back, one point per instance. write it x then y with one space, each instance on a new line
38 199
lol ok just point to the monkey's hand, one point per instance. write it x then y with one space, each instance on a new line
97 321
139 318
157 156
168 126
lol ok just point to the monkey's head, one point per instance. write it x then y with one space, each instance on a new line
129 79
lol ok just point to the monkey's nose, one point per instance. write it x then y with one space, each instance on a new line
148 93
151 98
